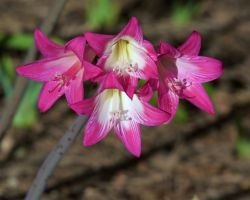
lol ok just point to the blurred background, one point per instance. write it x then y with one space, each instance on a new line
196 155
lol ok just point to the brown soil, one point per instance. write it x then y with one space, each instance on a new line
179 160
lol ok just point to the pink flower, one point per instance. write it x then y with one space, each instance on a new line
63 70
127 55
112 108
182 72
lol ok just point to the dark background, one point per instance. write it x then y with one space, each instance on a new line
195 155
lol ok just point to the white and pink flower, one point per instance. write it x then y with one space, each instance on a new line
127 55
113 108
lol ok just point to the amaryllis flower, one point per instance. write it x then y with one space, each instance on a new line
63 70
182 72
112 108
127 54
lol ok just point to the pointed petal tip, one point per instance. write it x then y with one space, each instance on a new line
42 108
196 33
19 70
46 46
192 44
135 151
211 110
87 143
134 20
137 154
37 31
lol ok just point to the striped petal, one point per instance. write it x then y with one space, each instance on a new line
192 45
46 69
46 46
50 92
197 95
132 29
130 135
199 69
74 91
98 42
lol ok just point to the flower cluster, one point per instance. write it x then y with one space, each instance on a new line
116 63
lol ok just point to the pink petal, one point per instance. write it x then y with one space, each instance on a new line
109 81
84 107
46 46
50 92
77 45
98 42
145 92
90 70
89 54
192 45
130 135
94 130
154 83
199 69
46 69
148 71
169 50
198 96
151 116
132 29
169 103
167 67
74 91
150 49
129 84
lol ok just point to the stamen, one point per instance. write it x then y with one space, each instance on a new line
118 116
178 86
62 80
132 68
121 58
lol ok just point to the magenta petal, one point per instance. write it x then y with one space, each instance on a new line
46 69
46 46
90 70
77 45
199 69
50 92
169 50
89 54
151 116
148 71
130 135
154 83
109 81
198 96
74 91
129 84
84 107
150 49
98 42
145 92
169 103
94 130
192 45
132 29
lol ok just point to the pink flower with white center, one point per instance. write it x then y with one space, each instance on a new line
63 70
127 55
182 72
112 108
